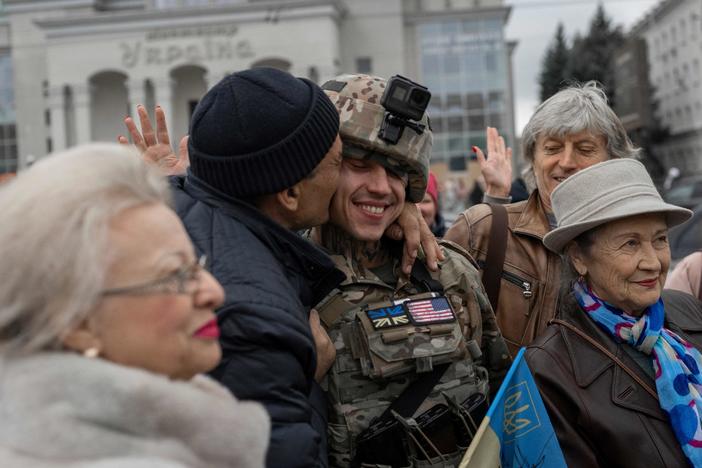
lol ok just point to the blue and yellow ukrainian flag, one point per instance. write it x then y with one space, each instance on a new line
516 431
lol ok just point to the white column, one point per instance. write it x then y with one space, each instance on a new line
213 77
81 104
136 95
57 110
163 96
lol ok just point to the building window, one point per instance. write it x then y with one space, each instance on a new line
437 124
496 100
458 163
8 136
8 148
474 102
364 65
455 124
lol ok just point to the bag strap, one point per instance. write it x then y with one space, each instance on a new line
421 277
495 259
607 353
415 393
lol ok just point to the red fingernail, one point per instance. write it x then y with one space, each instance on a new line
475 149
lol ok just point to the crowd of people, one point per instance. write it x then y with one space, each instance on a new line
274 293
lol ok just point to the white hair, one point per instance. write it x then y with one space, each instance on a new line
577 108
54 238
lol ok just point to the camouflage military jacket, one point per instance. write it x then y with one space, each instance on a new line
373 366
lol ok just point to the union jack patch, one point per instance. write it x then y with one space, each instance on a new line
429 311
387 317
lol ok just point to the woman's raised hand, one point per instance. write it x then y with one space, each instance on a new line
496 167
155 147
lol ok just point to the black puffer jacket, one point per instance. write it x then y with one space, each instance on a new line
271 277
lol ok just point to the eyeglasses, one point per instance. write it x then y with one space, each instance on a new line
183 281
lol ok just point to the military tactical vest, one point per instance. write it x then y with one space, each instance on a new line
388 335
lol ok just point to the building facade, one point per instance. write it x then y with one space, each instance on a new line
8 140
672 32
634 104
71 70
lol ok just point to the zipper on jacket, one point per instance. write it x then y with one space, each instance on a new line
527 291
526 286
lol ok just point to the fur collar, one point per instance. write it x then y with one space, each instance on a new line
61 409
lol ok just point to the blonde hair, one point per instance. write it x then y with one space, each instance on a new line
54 238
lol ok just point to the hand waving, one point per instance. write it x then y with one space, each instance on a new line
155 147
497 166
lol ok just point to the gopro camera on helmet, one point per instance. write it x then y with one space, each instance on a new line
405 102
405 98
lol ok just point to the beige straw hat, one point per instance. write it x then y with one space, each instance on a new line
605 192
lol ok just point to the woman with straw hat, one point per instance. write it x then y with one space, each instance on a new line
619 369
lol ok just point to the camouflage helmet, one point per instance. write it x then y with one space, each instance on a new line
357 97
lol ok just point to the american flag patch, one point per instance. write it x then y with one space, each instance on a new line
428 311
388 317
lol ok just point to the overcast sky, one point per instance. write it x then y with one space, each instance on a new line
533 23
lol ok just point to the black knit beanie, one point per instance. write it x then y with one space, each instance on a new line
260 131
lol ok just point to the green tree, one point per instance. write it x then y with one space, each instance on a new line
591 56
554 65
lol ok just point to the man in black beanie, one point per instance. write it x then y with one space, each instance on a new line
265 157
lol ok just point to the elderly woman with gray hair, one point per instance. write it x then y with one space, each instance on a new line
619 370
570 131
106 322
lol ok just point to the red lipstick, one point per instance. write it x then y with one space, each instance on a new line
208 330
648 283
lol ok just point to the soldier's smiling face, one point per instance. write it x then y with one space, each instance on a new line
368 199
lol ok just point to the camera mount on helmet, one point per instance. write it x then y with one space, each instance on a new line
405 102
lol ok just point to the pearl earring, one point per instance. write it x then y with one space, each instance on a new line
91 352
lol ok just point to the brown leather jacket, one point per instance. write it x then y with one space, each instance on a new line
602 416
531 273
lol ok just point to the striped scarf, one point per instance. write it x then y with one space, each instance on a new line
675 362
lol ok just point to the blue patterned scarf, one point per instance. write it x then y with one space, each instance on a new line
675 362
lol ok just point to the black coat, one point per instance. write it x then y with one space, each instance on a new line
271 277
603 417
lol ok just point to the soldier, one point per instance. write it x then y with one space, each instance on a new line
409 384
